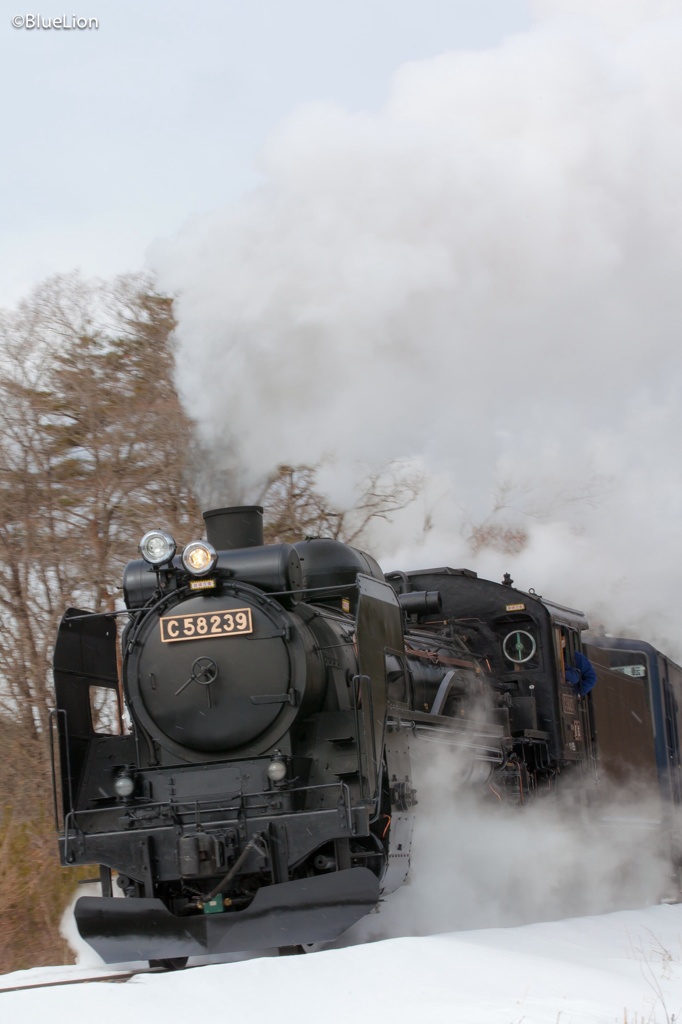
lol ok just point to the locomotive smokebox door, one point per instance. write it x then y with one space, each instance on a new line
379 629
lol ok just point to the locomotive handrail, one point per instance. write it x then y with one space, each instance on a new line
54 716
52 720
355 691
481 753
69 817
91 677
332 590
363 686
104 615
187 806
366 690
148 609
456 736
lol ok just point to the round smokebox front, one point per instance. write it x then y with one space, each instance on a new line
215 673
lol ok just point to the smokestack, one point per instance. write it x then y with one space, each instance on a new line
239 527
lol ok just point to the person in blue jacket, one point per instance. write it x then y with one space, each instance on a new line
581 674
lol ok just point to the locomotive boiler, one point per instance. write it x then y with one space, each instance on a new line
239 766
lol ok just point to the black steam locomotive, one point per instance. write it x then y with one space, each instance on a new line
260 792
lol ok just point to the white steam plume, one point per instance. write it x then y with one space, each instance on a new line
481 864
481 280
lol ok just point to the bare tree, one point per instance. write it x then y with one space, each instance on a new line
94 450
519 503
295 507
93 446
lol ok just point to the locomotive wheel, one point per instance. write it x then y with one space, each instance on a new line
170 963
306 947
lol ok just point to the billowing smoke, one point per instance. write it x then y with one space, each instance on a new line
479 863
481 281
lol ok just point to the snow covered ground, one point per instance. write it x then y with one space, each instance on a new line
619 968
487 931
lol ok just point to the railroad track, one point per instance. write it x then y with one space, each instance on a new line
113 978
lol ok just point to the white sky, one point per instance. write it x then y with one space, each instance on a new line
116 136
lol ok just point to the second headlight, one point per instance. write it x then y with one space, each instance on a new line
199 557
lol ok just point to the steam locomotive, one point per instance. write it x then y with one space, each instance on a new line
241 762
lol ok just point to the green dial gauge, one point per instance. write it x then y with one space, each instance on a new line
519 646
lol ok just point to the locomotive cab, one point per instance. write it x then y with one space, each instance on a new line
527 642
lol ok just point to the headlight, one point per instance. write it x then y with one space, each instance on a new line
157 547
199 557
124 784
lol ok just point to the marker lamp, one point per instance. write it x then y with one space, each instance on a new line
277 770
124 785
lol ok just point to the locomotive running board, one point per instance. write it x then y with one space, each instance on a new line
308 910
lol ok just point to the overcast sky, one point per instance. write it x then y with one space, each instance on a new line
117 135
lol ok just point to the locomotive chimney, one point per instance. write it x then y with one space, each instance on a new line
239 527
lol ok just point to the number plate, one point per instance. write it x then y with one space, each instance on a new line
568 704
199 626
